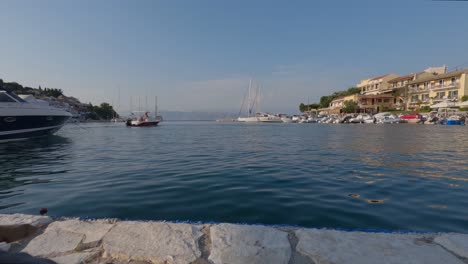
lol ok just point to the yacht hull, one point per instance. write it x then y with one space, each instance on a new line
22 127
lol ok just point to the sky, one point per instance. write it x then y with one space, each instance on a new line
200 55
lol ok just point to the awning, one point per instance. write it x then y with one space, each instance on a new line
444 105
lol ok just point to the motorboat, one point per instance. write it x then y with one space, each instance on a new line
286 119
268 118
248 119
144 120
455 120
389 119
362 118
22 119
413 118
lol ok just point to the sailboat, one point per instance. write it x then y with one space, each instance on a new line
250 106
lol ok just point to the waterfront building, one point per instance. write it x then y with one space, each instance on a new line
376 95
435 88
376 85
337 104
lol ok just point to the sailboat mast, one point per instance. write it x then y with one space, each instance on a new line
258 98
155 106
249 102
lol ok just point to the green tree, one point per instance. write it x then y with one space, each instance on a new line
302 107
464 98
326 100
349 106
104 111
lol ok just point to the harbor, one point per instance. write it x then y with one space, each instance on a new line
225 132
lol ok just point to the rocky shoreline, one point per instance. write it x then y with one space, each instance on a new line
71 240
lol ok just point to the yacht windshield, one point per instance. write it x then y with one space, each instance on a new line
4 98
16 97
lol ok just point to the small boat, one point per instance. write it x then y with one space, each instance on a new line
455 120
143 121
362 118
413 118
22 119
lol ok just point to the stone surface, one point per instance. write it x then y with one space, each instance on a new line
22 219
456 243
53 242
248 244
4 247
155 242
76 258
329 246
93 231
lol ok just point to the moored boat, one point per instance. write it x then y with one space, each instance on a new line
21 119
143 121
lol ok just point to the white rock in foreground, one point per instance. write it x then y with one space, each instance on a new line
76 258
93 231
248 244
153 242
53 242
329 246
457 243
22 219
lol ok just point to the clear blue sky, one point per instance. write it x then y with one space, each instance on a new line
199 55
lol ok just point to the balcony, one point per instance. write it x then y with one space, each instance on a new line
445 86
418 89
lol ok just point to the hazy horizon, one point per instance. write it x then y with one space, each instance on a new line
200 56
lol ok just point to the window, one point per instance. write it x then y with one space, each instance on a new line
386 101
414 98
425 97
453 80
4 98
440 95
426 84
453 94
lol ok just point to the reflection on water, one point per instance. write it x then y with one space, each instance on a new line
351 176
30 162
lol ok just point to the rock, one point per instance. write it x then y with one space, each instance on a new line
76 258
248 244
456 243
329 246
15 227
22 219
53 242
153 242
93 231
4 246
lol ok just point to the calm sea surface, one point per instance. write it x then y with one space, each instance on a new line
406 177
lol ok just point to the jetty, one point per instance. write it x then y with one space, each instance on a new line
73 240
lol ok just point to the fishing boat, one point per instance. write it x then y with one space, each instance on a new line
22 119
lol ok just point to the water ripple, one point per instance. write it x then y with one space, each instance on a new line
406 177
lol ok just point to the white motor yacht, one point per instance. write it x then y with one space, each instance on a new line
268 118
21 119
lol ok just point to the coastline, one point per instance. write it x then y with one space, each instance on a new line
71 240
